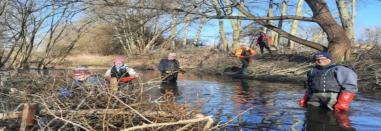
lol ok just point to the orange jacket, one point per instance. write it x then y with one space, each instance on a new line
239 51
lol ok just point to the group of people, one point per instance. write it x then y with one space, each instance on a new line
121 73
328 85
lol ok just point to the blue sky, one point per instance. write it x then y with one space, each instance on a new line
368 15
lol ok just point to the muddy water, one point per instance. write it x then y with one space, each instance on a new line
257 105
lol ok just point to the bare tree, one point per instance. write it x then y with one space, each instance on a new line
223 40
295 23
347 21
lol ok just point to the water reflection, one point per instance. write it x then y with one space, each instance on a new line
317 119
169 87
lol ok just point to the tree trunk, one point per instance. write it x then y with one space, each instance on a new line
199 29
186 30
236 25
295 23
346 20
338 42
269 22
280 23
223 40
173 30
353 21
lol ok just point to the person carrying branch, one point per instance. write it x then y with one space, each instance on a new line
121 71
169 68
245 54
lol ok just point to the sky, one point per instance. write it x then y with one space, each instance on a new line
368 15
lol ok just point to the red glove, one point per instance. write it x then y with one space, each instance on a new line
345 98
342 119
126 79
302 102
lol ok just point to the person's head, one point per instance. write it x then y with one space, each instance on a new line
322 58
171 56
81 73
118 61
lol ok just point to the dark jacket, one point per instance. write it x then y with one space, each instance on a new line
334 78
169 69
119 72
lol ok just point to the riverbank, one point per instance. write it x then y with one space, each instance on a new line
276 67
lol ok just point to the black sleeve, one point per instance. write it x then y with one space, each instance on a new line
177 65
162 64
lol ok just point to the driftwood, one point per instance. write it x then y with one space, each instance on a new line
28 113
297 70
206 127
18 114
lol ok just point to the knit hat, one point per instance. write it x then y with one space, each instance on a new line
325 54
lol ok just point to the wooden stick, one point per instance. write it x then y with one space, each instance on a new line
27 120
207 118
17 114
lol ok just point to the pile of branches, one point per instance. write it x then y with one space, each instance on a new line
92 108
367 64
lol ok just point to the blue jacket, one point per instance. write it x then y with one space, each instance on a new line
334 78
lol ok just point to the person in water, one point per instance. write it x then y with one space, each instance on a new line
329 85
121 71
82 78
169 68
245 54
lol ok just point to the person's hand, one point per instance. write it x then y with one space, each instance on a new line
344 100
302 102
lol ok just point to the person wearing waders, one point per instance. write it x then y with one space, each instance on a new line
329 85
169 68
245 54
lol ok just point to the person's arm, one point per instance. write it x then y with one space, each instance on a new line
132 72
177 65
253 52
303 101
347 79
107 75
162 64
269 42
238 53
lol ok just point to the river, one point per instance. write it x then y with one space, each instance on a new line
256 105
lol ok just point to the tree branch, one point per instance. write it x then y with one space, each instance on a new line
302 18
281 32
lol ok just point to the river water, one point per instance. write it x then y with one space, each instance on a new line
256 105
236 104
